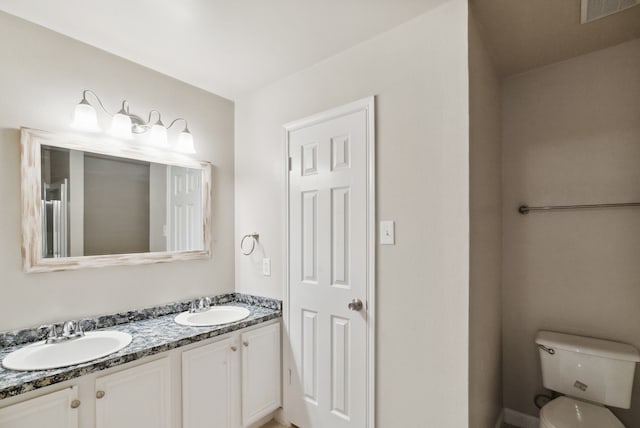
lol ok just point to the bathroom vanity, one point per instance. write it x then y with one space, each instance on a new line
91 202
170 375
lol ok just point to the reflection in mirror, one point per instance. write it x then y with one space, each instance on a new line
94 204
91 202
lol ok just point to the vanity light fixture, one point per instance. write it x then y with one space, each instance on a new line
125 124
185 139
158 133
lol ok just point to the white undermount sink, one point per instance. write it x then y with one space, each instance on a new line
43 356
215 315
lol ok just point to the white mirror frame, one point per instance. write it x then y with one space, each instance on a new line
31 142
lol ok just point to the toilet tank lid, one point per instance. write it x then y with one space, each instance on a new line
588 345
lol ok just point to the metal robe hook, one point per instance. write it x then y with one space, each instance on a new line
254 239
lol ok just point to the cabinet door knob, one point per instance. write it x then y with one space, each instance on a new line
234 349
245 343
99 394
75 404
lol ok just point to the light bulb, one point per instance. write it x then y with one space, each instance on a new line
121 126
158 135
185 142
85 118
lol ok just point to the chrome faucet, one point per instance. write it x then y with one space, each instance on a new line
200 305
70 330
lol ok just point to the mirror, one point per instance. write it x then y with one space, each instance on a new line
92 202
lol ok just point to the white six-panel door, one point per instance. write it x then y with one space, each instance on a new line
329 268
184 214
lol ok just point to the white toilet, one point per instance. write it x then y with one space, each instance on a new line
591 373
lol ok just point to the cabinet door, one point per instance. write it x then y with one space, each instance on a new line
51 411
135 398
261 379
211 386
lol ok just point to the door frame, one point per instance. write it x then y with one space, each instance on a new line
368 106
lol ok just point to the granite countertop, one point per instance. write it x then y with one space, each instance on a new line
151 336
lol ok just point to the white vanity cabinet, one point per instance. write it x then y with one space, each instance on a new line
53 410
230 381
214 374
261 380
138 397
211 385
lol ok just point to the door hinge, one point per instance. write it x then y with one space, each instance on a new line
290 164
289 376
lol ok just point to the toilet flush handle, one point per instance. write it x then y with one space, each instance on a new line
549 351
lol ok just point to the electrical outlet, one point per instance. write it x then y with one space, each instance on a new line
266 267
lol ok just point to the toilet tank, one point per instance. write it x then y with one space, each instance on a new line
586 368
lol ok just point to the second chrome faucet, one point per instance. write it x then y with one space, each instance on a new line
70 330
200 305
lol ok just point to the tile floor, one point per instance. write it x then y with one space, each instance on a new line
274 424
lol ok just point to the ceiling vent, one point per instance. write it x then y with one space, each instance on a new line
596 9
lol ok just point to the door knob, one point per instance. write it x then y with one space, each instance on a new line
355 305
99 394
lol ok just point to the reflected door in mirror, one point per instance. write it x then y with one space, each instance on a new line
185 209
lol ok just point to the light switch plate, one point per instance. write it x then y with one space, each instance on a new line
387 233
266 267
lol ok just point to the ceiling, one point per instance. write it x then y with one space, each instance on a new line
524 34
228 47
232 47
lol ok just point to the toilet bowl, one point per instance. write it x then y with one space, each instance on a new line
565 412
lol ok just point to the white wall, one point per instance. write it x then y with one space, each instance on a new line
157 207
418 72
571 135
485 205
42 75
116 206
76 203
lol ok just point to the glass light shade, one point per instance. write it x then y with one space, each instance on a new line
158 136
85 118
185 143
121 126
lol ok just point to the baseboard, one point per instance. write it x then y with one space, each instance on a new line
263 420
520 420
500 420
279 417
